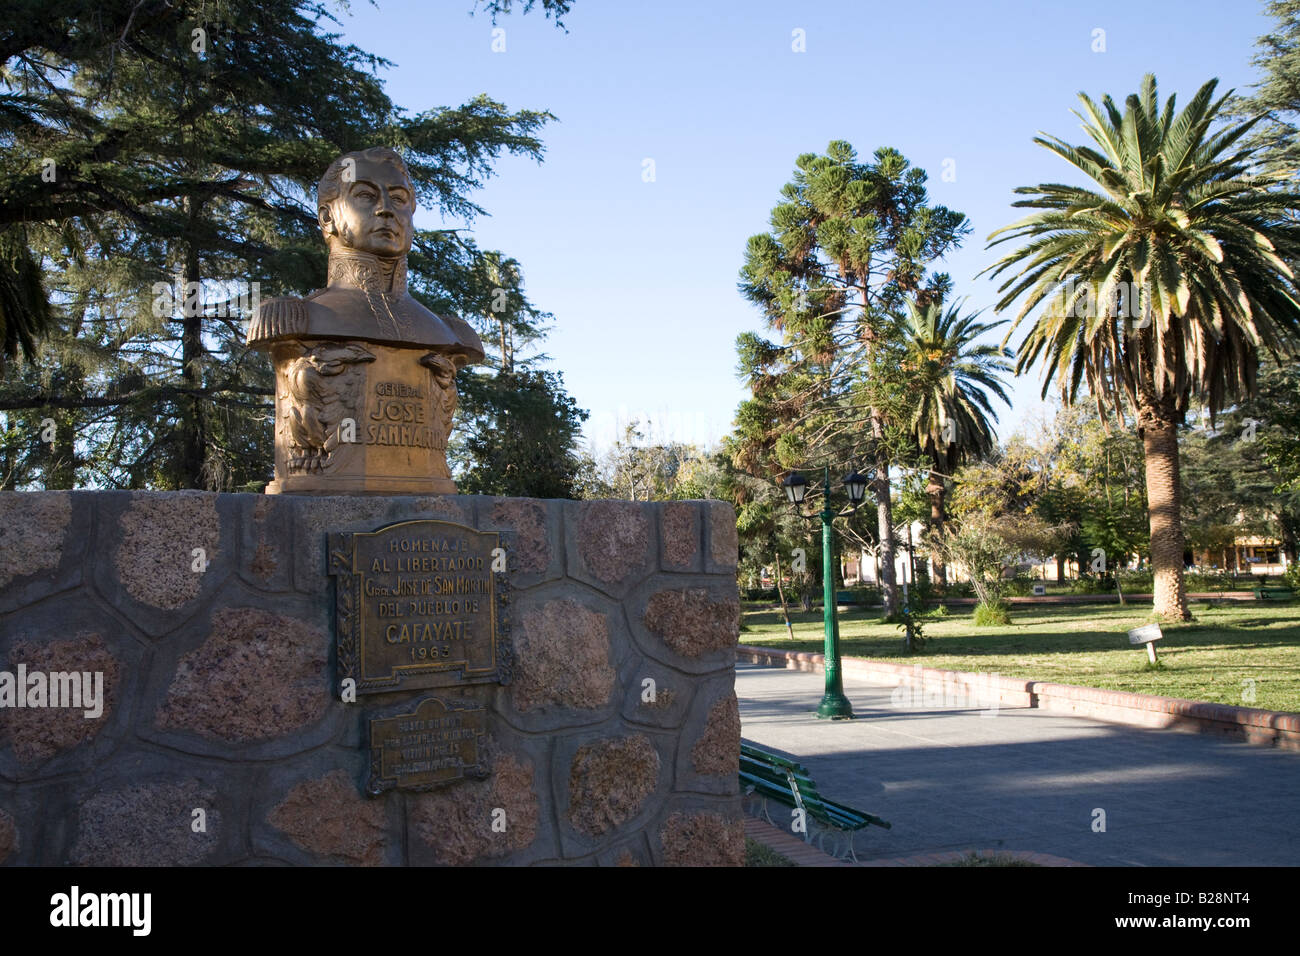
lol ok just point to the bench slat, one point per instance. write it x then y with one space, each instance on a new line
789 782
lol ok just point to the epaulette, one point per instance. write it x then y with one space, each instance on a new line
282 316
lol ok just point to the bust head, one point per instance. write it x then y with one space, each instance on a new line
366 202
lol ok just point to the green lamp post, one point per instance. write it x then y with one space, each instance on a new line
834 705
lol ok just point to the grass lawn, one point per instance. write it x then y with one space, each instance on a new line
1206 659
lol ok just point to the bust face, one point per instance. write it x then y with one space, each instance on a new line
373 213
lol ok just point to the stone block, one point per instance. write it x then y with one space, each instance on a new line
155 559
708 760
693 629
724 540
477 821
609 543
148 824
257 675
9 841
41 545
702 838
680 536
562 658
37 734
609 783
315 518
532 532
265 532
330 819
661 703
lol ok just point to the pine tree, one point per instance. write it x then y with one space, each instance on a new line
849 243
185 144
517 428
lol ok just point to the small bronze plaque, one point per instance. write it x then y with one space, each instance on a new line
418 605
435 745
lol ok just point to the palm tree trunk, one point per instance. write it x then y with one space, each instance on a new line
1159 430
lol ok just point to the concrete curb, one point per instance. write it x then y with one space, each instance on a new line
918 686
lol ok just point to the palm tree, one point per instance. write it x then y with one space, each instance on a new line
1182 231
949 378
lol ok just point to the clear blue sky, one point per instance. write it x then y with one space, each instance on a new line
641 276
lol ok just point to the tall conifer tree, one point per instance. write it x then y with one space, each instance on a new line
849 243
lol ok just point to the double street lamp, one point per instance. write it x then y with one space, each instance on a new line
834 704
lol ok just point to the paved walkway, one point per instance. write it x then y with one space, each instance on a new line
1030 780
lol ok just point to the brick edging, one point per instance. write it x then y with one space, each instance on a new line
954 856
917 684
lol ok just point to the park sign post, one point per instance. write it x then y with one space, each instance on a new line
1147 634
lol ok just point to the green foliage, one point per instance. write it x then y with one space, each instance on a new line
991 614
1208 579
913 628
922 587
1084 644
948 380
1277 94
759 854
1177 255
637 469
518 434
1021 585
179 163
1182 220
997 526
849 242
24 308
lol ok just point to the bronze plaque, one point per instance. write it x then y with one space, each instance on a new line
419 605
437 744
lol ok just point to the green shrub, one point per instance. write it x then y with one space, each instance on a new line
1208 579
992 614
912 627
1136 581
963 589
866 595
939 610
1091 585
1292 576
1022 585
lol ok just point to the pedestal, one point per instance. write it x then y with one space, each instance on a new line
355 417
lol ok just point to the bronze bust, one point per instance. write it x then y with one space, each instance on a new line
365 374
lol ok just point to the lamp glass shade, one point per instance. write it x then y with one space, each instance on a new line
796 488
856 486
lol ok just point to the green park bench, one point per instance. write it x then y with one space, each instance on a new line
765 776
1279 594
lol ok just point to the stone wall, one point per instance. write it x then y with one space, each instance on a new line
222 740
